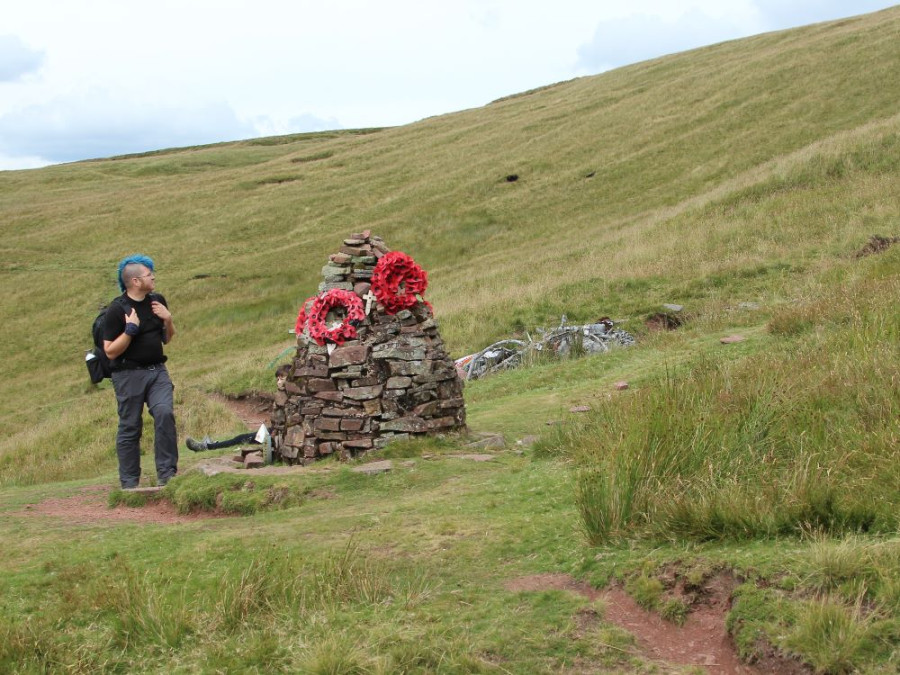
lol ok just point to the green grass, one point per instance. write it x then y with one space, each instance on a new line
738 180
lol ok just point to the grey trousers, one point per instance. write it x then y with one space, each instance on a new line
134 388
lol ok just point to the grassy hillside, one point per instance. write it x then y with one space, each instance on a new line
739 180
727 173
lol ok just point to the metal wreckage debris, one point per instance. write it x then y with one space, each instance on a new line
565 340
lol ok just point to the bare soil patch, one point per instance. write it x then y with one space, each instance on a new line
90 505
702 641
876 244
252 408
662 321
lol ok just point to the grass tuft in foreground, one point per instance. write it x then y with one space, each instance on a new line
801 437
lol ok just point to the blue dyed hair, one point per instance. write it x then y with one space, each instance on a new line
146 261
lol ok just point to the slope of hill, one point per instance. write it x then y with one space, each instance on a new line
732 171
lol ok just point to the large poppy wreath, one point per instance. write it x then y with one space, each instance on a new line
334 328
396 280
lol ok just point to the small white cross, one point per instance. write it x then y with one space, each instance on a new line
370 299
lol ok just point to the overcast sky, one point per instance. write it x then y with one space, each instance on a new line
93 78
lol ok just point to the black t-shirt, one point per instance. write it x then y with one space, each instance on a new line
146 348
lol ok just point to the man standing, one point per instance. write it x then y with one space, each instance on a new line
137 325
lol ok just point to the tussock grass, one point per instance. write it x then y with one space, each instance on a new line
802 436
115 613
832 637
233 493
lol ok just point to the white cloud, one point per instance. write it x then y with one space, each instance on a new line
9 163
648 29
95 124
17 59
777 14
638 37
306 122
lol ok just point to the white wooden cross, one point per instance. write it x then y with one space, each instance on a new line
370 299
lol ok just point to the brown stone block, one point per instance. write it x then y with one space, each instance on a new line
441 423
327 448
336 412
281 398
372 407
410 424
294 437
254 460
410 367
426 409
351 424
347 373
452 403
363 393
330 395
365 382
332 435
312 410
359 444
348 355
292 388
320 384
398 382
327 424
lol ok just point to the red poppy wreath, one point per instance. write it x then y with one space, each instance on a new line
396 280
316 322
302 316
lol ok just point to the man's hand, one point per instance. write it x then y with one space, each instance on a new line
163 313
133 317
160 310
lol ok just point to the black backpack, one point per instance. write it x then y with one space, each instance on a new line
95 359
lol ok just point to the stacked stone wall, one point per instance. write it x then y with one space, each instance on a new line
392 381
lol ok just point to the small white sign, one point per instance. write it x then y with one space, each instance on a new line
262 435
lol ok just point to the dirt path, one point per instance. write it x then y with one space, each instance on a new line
702 641
251 409
90 505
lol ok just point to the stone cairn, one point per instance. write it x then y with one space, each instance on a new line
381 375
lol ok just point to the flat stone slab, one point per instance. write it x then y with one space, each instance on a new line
493 441
580 409
475 457
731 339
373 468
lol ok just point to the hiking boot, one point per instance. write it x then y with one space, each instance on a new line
198 446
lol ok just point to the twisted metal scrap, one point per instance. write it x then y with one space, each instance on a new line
592 338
